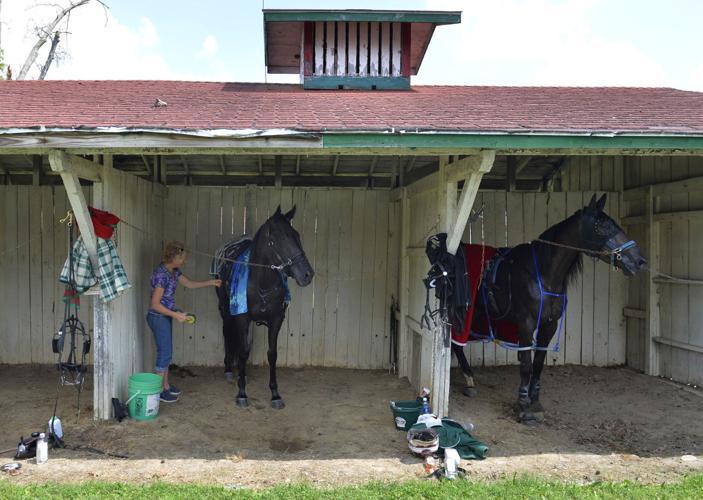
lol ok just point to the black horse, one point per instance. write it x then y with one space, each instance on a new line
275 249
534 276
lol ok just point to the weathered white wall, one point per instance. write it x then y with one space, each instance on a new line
350 237
33 248
681 240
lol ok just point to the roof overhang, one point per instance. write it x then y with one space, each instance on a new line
283 32
171 141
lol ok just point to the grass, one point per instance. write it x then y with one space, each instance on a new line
688 487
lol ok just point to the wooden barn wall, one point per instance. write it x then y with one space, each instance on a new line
680 306
594 327
33 248
593 173
351 239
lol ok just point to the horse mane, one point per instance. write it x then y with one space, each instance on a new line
553 233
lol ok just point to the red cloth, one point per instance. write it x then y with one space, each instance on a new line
477 258
103 222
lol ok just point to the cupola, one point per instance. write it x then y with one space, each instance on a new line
350 49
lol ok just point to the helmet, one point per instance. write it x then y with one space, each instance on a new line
423 441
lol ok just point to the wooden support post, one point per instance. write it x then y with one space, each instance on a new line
404 333
510 177
71 168
651 348
163 170
278 181
249 207
37 170
480 164
452 220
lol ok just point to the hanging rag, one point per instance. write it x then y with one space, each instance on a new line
111 273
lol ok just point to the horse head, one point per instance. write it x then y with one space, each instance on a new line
283 241
602 234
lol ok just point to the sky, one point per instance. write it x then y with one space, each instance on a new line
643 43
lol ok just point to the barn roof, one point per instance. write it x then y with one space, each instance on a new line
231 107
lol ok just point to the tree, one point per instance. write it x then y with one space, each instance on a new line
49 31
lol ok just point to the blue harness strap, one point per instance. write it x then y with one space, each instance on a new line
542 292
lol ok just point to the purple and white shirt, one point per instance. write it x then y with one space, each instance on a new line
163 278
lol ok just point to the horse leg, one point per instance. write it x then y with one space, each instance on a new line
274 328
524 415
470 388
230 334
537 365
241 329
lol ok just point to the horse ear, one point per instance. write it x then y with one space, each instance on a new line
591 207
290 214
278 210
600 205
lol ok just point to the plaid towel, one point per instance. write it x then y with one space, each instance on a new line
111 274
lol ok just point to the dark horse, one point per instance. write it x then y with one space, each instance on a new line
553 260
275 249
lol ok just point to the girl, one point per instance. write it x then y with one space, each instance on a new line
162 309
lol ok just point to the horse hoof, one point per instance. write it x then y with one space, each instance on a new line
530 418
243 402
277 404
469 392
229 377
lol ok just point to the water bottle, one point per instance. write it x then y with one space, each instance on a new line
42 449
55 427
425 406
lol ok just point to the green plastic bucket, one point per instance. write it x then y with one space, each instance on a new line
405 413
144 395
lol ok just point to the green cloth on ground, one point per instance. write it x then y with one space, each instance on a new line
453 435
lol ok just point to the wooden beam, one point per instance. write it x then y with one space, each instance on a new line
679 345
223 167
665 188
521 164
372 167
278 182
261 165
662 217
146 164
297 165
163 170
404 335
481 164
511 173
64 164
335 165
80 167
652 324
37 170
630 312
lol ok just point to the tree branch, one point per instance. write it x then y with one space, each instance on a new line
44 34
50 57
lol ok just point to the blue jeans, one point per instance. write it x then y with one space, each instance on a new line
161 326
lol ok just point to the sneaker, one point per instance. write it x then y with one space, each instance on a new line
167 397
174 390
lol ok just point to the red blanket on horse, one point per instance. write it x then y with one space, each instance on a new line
477 259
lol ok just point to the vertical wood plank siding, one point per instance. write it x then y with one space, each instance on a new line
341 319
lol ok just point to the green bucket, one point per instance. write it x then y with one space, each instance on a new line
144 395
405 413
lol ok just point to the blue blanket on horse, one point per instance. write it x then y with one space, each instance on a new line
238 283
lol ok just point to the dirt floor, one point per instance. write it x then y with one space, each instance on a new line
600 424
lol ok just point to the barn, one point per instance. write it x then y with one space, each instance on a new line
375 166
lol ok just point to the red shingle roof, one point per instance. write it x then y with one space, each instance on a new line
201 105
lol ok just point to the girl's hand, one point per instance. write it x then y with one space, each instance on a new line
216 283
180 317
